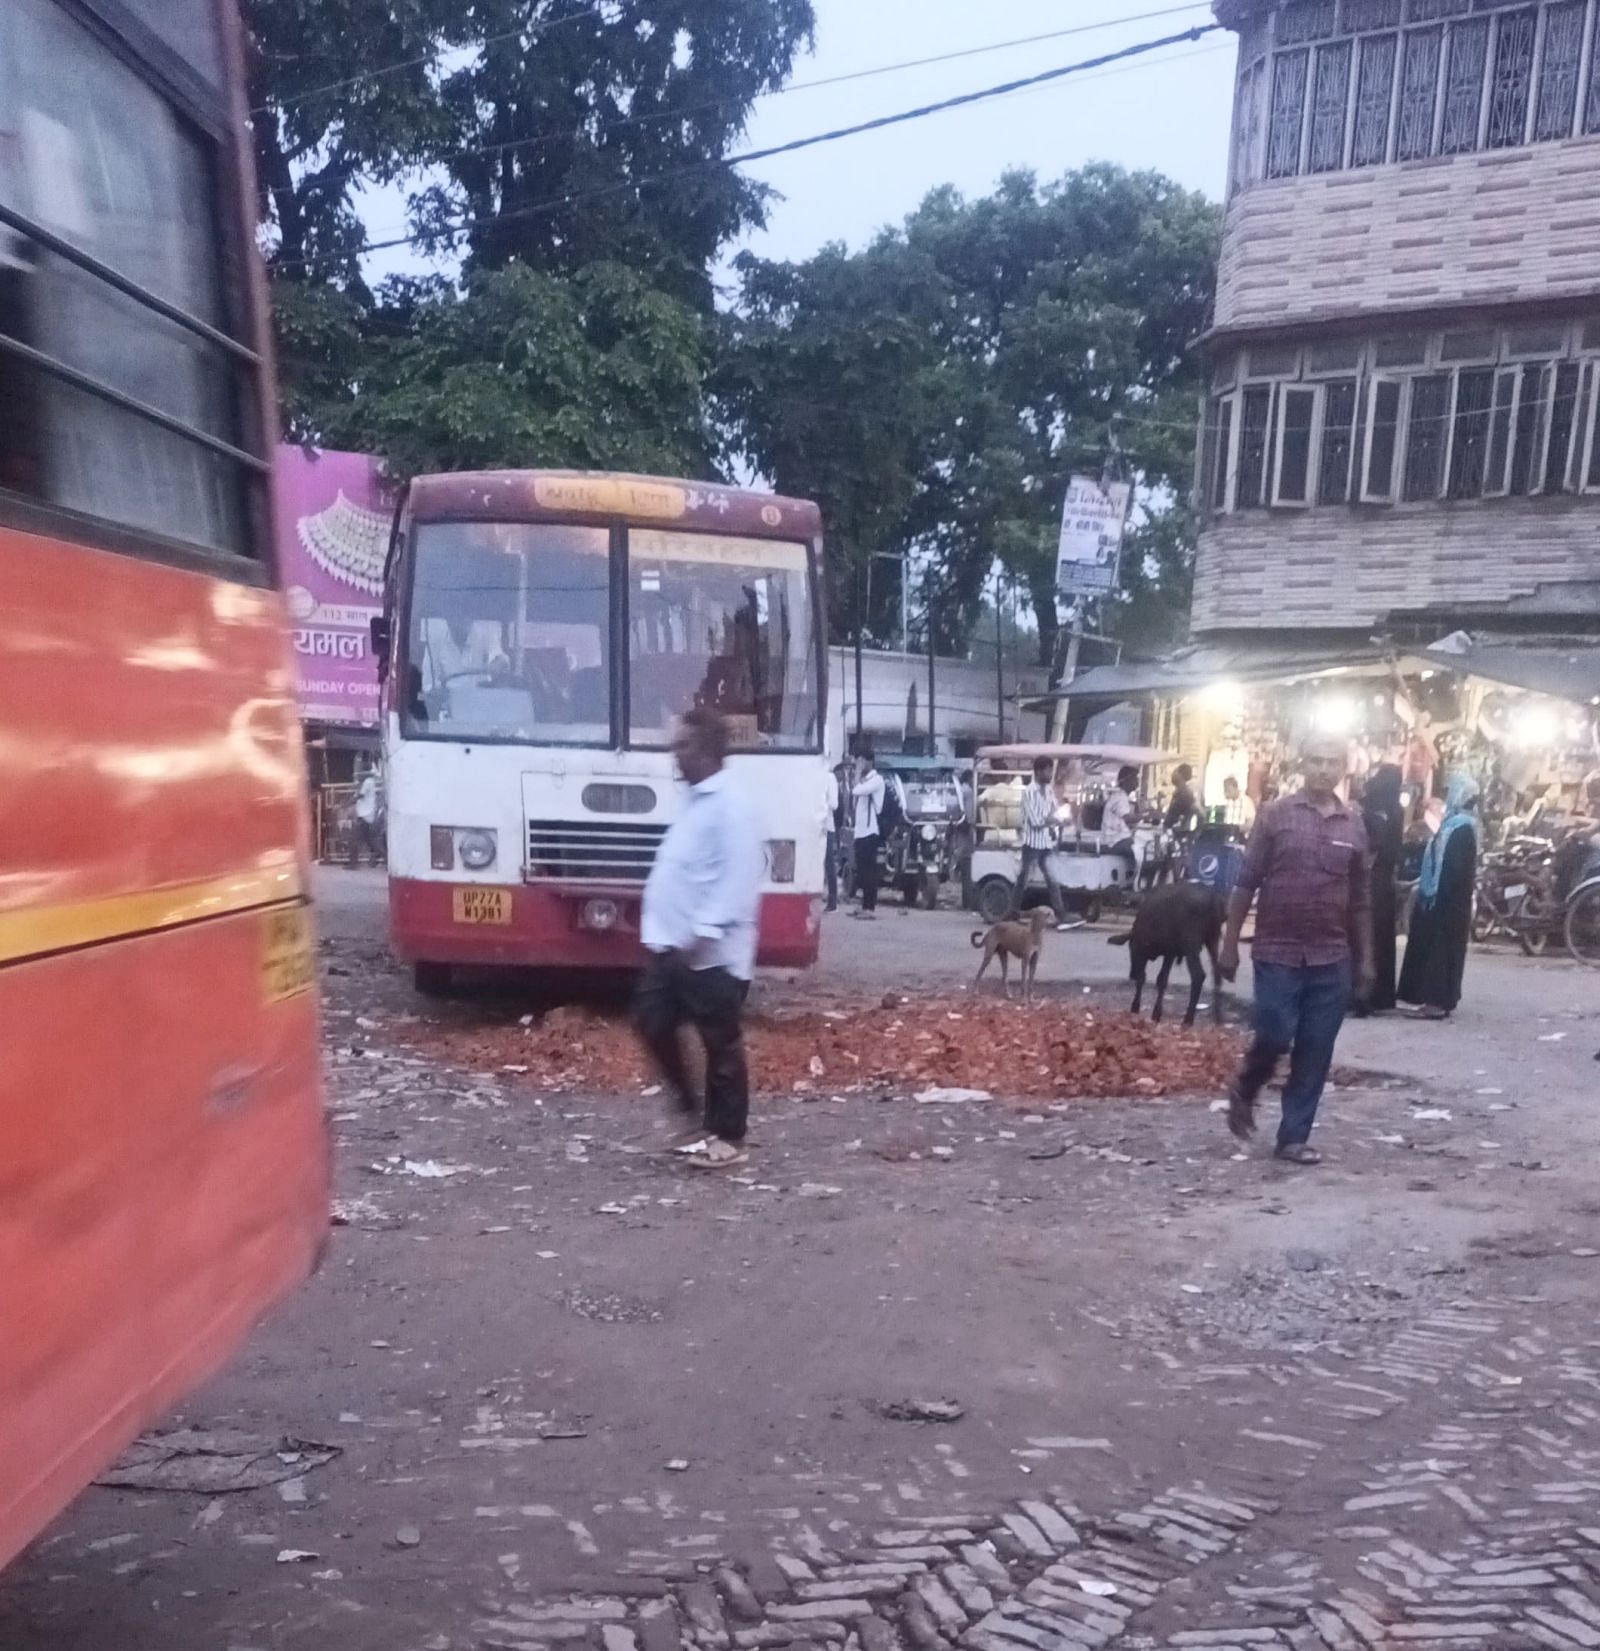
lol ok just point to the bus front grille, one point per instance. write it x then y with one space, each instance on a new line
581 851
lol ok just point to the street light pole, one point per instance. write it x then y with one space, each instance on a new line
932 641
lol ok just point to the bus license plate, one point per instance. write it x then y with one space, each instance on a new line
288 954
1516 891
483 906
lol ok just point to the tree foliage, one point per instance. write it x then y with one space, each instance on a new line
525 369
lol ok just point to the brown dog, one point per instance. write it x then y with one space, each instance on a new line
1019 938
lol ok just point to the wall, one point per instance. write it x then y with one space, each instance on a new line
966 704
1340 567
1481 228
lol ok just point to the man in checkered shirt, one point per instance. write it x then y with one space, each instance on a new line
1038 843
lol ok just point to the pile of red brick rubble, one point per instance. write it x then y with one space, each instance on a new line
901 1045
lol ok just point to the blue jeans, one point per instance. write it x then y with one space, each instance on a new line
1298 1012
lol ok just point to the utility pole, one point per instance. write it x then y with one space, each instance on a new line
932 655
999 658
861 619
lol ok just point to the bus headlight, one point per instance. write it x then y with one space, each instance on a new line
929 833
780 860
477 849
599 916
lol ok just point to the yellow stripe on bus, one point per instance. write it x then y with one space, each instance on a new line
35 931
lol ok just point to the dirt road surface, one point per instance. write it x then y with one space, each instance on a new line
582 1396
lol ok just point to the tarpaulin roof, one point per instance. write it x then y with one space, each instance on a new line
1564 668
1190 669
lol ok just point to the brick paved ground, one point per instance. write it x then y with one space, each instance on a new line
1208 1402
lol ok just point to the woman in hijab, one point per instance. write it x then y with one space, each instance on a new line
1441 924
1385 820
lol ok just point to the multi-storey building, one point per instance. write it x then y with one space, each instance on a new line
1403 430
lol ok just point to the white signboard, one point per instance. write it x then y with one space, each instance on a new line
1091 537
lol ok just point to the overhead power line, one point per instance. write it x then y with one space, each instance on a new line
532 32
688 111
793 146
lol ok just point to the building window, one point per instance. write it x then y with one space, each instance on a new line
1426 436
1528 427
1360 16
1497 480
1255 424
1330 107
1304 20
1297 412
1374 94
1558 71
1469 442
1383 440
1590 469
1247 125
1591 111
1221 456
1288 114
1338 441
1463 87
1419 92
1430 11
1563 417
1513 76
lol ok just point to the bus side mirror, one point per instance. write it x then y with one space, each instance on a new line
380 642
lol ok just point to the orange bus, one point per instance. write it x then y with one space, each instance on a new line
163 1150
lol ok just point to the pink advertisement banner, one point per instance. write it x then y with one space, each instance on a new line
333 535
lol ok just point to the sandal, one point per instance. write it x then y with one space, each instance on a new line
718 1154
1299 1153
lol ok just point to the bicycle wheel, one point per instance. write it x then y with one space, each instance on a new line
1583 925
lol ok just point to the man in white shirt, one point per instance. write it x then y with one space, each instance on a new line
1039 841
867 794
1116 823
364 826
701 906
1238 807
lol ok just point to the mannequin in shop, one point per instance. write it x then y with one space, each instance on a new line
1441 923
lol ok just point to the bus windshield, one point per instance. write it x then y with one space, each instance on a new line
509 635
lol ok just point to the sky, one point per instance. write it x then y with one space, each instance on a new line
1169 111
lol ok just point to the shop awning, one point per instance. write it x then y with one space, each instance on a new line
1562 668
1191 669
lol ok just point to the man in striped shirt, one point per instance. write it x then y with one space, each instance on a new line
1039 841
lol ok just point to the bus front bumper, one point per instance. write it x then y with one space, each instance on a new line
527 926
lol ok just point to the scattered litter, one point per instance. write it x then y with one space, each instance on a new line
678 1464
651 1092
816 1189
1431 1115
548 1255
297 1556
921 1410
208 1462
563 1430
408 1536
292 1490
1489 1092
1586 1255
943 1152
1100 1590
429 1169
938 1096
612 1209
1043 1155
1191 1289
1551 1037
327 1576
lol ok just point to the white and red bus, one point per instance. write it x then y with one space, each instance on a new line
543 630
163 1150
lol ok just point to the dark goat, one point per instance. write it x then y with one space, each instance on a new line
1173 921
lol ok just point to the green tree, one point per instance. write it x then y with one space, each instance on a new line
341 93
597 370
565 109
828 386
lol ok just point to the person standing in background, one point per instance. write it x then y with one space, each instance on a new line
1183 812
1039 841
830 835
1116 823
1384 817
701 904
1238 808
1307 859
364 833
867 798
1441 922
